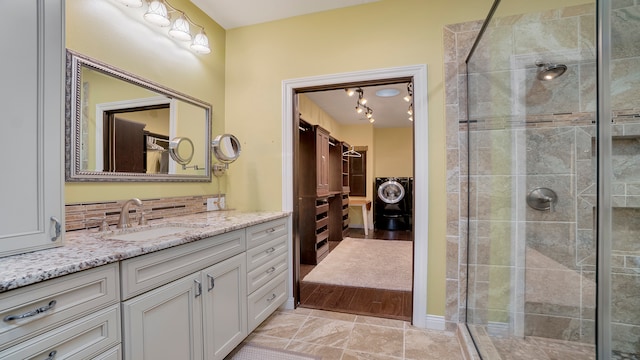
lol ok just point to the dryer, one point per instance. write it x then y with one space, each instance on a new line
393 208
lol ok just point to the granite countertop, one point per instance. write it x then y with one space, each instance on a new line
86 249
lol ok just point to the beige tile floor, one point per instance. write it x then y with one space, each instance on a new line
338 336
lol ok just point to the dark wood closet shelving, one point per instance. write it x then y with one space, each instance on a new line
322 193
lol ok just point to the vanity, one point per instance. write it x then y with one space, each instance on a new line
194 293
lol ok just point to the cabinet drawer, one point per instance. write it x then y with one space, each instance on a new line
150 271
322 208
264 301
265 252
71 296
111 354
261 233
265 272
84 338
320 223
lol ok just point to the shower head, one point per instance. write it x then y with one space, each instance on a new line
550 71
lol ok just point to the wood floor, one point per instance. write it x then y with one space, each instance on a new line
390 304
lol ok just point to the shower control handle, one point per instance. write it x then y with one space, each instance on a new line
542 199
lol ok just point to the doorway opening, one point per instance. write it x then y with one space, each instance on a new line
293 170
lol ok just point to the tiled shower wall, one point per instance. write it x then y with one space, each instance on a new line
549 126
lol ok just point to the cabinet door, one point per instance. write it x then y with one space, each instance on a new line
165 323
225 306
322 161
32 73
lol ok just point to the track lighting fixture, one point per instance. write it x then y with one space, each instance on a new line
163 14
409 99
360 103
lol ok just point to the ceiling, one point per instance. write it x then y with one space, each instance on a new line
387 112
235 13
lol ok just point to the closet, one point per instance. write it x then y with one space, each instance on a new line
323 192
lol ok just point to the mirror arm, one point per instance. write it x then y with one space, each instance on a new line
219 169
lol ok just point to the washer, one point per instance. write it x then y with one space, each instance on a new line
393 205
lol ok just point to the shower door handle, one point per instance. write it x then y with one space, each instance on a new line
542 199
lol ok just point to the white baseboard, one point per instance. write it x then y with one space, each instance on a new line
433 322
289 304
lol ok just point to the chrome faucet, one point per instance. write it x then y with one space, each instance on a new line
124 221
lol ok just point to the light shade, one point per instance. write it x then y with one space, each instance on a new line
157 13
132 3
200 43
180 29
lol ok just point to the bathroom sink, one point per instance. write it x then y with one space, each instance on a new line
151 233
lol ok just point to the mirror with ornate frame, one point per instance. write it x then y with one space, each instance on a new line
120 127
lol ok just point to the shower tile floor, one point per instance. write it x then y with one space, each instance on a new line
530 348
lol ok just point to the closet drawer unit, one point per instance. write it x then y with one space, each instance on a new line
265 272
265 252
322 250
323 235
261 233
345 200
35 309
150 271
84 338
322 222
266 300
322 207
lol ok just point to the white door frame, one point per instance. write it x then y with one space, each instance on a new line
421 166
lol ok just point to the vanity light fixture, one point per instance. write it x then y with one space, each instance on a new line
163 14
180 29
157 13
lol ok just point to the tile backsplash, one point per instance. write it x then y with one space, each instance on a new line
80 216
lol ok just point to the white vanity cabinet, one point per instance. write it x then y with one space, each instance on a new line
266 269
32 73
72 317
200 315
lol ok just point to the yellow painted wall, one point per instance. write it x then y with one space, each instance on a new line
117 35
393 156
386 33
311 113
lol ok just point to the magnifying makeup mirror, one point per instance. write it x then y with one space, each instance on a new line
226 148
181 151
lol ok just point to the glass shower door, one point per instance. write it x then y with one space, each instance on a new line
532 185
619 125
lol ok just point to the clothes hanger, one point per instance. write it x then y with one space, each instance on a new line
351 153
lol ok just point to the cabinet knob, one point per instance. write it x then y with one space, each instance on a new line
52 355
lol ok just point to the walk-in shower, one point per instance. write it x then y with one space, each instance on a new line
552 182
